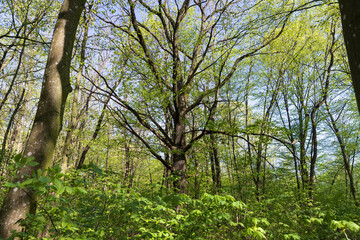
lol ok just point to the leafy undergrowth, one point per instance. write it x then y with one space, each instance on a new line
93 204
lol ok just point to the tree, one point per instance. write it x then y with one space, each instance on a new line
181 57
74 110
48 119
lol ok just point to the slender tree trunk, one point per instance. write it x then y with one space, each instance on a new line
313 155
217 168
212 167
150 175
95 134
313 113
108 150
292 139
263 129
3 146
127 162
196 179
344 154
48 118
303 128
236 164
132 175
6 96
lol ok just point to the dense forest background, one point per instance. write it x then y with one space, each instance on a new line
219 119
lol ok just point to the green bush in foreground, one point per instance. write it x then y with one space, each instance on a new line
93 204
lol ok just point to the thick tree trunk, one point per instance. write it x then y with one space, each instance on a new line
48 119
74 110
350 16
179 117
179 171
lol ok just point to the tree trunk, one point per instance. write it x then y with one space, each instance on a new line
127 163
313 155
108 150
179 170
344 154
12 118
350 16
217 181
303 128
292 139
7 94
95 134
132 175
196 179
178 155
48 118
74 110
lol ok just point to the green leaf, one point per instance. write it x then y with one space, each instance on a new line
27 182
69 190
238 205
44 179
82 190
58 184
60 191
17 158
292 236
10 184
32 163
351 226
23 161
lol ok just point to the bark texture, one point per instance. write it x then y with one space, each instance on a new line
48 118
350 17
74 110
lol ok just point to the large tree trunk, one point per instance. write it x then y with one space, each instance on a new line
179 171
48 118
74 110
178 155
350 16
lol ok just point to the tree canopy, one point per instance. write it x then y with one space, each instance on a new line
179 119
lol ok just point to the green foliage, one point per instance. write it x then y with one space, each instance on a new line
344 226
92 204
